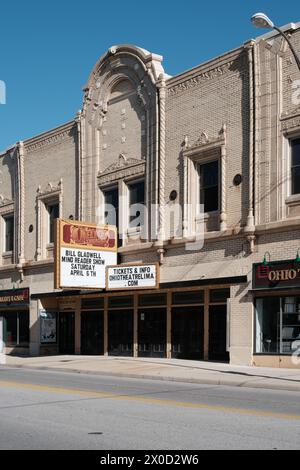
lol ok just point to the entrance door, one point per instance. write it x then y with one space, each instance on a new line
152 332
92 333
217 333
120 332
188 332
67 333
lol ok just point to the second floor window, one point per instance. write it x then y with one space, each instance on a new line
9 233
295 166
209 185
111 211
53 211
136 196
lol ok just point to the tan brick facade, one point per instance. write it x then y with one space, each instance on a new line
139 123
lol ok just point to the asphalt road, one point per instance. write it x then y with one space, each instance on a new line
56 410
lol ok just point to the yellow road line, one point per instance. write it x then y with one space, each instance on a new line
148 400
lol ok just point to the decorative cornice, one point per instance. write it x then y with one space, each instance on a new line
199 79
49 190
204 142
5 201
123 168
51 138
291 121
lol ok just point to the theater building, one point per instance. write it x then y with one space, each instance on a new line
224 135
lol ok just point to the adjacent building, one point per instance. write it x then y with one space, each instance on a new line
224 136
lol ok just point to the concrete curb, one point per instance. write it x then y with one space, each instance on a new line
205 381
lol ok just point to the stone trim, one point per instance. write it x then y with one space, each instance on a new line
49 194
122 169
51 138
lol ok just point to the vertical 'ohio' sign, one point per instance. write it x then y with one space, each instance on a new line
82 253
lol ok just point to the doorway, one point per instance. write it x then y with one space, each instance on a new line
187 332
92 333
66 333
120 332
218 333
152 334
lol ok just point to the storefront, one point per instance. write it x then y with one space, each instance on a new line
276 287
14 310
187 320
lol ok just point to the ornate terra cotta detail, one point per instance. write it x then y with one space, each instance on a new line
202 77
51 138
121 169
5 201
291 121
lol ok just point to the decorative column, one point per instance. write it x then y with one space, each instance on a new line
20 211
250 227
162 154
223 215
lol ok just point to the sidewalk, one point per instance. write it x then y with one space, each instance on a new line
166 369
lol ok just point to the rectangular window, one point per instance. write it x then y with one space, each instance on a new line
53 211
9 222
136 198
295 166
209 185
188 297
16 328
111 209
277 325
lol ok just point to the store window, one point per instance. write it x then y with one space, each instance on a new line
295 166
9 233
277 325
53 211
16 328
136 204
209 185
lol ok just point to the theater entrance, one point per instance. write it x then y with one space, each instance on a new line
152 332
187 332
92 333
120 332
66 333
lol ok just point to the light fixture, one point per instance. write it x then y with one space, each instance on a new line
297 260
260 20
265 262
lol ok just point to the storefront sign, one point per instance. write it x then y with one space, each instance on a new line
82 253
14 298
277 274
132 277
48 322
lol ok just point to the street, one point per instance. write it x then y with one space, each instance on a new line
58 410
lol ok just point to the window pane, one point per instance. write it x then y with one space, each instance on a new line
209 186
9 233
296 180
53 211
111 201
295 145
23 328
120 302
93 303
209 173
290 324
152 299
136 196
219 295
268 325
210 199
10 328
190 297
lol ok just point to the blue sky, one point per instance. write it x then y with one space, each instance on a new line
49 48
